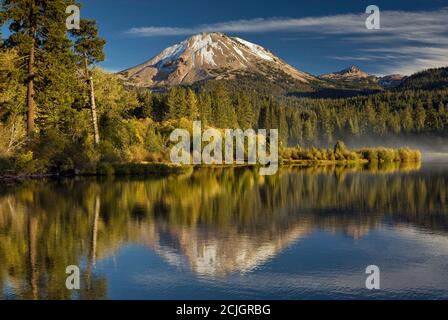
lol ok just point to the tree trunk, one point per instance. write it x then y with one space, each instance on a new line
89 79
94 237
93 109
31 109
32 255
93 243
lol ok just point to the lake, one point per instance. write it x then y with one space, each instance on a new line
229 233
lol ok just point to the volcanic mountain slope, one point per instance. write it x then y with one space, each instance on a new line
216 56
209 56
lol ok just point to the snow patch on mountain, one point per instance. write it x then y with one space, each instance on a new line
241 54
170 54
204 47
256 49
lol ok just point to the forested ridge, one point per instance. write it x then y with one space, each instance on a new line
60 113
427 79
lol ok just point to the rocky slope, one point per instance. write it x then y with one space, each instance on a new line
354 77
351 73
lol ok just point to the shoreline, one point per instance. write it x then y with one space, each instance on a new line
159 168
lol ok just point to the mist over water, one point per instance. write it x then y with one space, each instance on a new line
230 233
427 144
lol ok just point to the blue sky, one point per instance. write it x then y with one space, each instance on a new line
315 36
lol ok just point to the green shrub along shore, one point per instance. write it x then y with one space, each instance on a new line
341 154
25 166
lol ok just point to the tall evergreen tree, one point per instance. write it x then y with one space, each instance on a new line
441 115
89 48
224 115
176 103
370 117
283 129
245 112
296 128
380 126
420 117
38 33
192 104
407 119
146 104
27 26
205 107
327 124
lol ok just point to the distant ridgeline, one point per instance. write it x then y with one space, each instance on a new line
426 80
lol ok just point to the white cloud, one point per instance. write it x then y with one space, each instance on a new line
410 25
349 58
407 41
327 24
410 59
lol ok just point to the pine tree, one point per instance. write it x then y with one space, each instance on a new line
192 105
327 124
27 23
12 99
170 102
205 108
146 102
393 121
441 116
296 128
283 126
176 103
420 117
56 86
89 48
309 128
380 126
407 119
273 108
38 33
12 90
224 115
370 116
245 112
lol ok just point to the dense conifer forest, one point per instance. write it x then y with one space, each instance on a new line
60 113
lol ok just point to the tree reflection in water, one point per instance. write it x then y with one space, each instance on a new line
217 221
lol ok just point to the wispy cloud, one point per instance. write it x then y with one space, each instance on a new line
407 41
409 59
410 25
327 24
350 58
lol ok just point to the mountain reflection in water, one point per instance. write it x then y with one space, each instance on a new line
213 223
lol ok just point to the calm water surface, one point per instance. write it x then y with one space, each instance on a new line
230 234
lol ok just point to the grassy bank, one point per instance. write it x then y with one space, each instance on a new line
340 154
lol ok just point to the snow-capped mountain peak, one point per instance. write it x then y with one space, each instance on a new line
208 56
